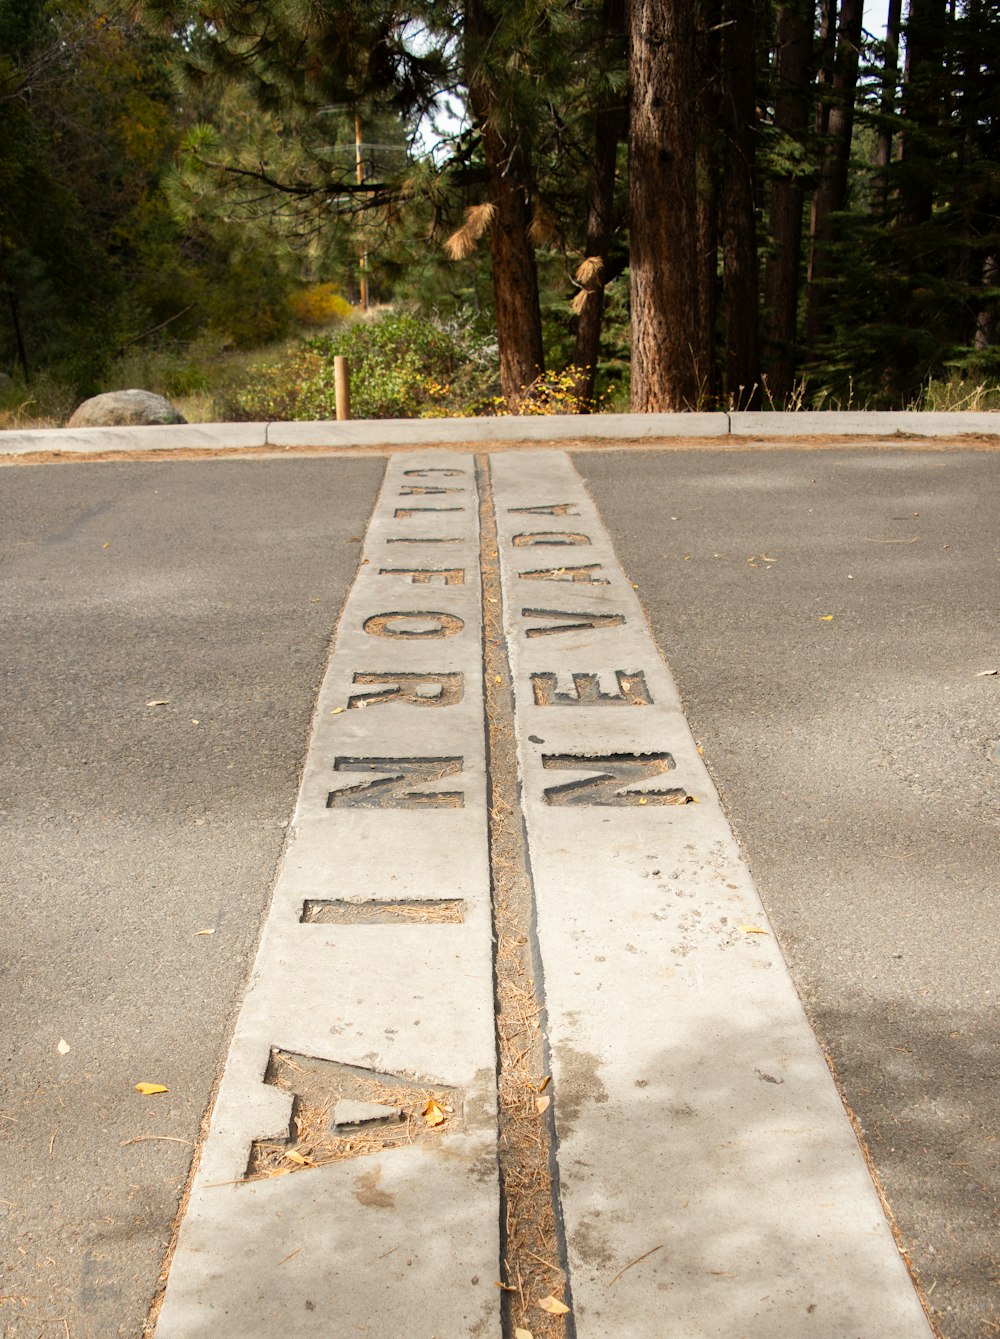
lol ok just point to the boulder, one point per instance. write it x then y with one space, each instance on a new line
123 409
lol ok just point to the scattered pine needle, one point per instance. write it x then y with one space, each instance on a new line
645 1256
167 1138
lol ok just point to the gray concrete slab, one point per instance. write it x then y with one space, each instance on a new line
138 843
863 423
164 437
392 808
514 428
827 616
708 1173
511 428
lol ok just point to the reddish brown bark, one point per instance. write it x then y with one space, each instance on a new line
831 193
793 52
708 172
609 126
739 228
508 190
663 205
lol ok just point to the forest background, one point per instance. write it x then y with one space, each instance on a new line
499 205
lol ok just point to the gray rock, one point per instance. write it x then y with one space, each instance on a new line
121 409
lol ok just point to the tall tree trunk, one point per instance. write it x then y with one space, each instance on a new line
609 126
740 293
926 31
508 182
708 171
831 193
793 54
593 275
663 205
887 101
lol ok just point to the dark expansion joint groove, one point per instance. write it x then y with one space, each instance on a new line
532 1241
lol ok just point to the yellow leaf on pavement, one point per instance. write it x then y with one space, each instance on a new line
433 1114
826 618
553 1306
150 1089
522 1334
752 930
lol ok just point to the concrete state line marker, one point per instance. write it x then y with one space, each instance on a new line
348 1181
710 1182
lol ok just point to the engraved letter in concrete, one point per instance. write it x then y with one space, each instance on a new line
413 625
332 1104
426 490
623 688
427 576
406 513
616 775
580 575
392 779
573 621
418 690
549 539
430 470
550 509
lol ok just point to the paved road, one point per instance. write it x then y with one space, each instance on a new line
127 829
853 754
858 759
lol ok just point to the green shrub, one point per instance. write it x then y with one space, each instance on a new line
401 365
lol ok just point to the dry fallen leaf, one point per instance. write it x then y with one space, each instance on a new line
542 1104
826 618
292 1155
752 930
335 711
159 702
986 674
433 1114
545 1083
203 932
522 1334
63 1046
150 1089
553 1306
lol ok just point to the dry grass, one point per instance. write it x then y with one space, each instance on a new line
530 1241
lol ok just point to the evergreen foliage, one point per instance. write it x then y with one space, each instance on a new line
191 174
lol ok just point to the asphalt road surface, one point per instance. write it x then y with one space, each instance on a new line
127 830
827 615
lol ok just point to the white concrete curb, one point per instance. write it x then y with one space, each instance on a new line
556 427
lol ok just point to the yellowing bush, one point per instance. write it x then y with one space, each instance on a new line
319 305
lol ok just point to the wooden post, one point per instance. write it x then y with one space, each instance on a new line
342 381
